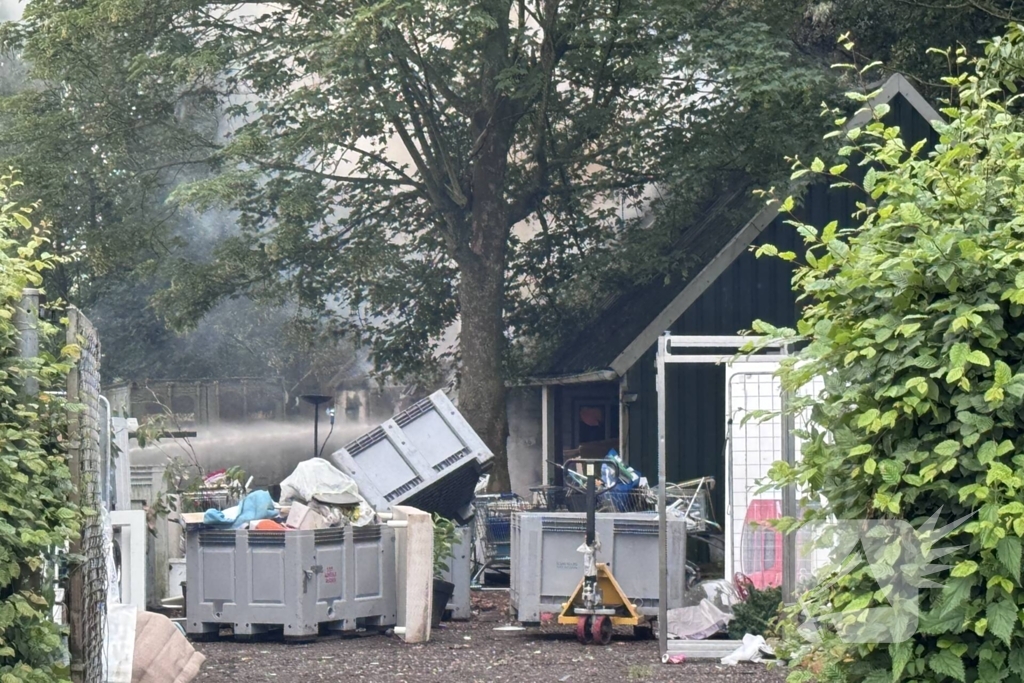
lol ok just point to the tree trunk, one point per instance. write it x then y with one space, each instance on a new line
482 347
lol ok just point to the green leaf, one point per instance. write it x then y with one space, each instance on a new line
900 654
817 166
869 466
945 663
1003 372
958 354
987 453
1002 616
947 448
1016 661
1008 550
978 358
965 568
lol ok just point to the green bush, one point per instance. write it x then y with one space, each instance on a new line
444 544
756 614
35 485
915 320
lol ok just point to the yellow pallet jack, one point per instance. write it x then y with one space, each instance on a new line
598 604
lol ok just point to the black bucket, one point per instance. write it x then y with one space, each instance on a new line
443 592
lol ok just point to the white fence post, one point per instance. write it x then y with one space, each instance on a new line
414 557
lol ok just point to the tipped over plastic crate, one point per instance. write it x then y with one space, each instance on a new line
426 456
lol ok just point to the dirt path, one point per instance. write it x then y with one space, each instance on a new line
469 652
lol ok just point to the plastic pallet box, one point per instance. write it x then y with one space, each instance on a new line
460 574
300 582
426 456
546 566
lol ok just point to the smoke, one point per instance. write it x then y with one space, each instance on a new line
268 451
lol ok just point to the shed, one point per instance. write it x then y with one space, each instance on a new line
599 389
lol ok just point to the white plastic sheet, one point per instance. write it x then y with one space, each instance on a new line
317 476
697 622
752 650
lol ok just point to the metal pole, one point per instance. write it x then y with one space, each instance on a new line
591 503
316 428
26 321
662 522
108 466
789 549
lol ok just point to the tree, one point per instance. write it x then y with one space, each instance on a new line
915 320
102 150
388 162
899 33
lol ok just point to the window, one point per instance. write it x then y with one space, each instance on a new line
595 420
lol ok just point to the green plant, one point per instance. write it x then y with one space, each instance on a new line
444 544
639 672
915 322
757 614
36 515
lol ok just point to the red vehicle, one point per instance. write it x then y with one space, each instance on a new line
761 545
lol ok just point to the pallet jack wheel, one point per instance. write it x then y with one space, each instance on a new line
583 630
601 630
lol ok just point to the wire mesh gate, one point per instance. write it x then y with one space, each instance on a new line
87 582
767 394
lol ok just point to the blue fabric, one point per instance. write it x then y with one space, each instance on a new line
257 505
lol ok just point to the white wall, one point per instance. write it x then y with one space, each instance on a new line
524 438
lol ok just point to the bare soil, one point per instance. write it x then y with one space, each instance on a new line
464 652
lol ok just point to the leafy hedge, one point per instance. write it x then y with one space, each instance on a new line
35 484
915 319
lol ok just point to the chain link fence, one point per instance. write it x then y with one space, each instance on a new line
87 585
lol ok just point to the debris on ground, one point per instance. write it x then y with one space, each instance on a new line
535 655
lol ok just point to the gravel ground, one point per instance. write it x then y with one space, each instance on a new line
467 652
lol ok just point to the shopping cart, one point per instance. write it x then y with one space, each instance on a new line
689 499
493 519
692 500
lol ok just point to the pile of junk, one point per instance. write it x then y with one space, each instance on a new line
323 557
328 535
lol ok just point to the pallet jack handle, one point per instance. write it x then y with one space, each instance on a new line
591 470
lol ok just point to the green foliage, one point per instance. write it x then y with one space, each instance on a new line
102 144
35 484
444 542
898 34
914 319
757 614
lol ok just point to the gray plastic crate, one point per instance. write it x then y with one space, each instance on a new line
426 456
295 581
460 573
356 585
546 566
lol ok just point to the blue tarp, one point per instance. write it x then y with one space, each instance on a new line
257 505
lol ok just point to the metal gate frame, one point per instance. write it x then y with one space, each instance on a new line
672 349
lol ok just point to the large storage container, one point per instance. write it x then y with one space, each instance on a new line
295 581
547 566
426 456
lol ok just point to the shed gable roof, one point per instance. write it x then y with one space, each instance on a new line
630 322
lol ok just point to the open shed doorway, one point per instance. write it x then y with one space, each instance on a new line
590 420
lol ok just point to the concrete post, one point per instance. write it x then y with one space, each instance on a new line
26 321
414 557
